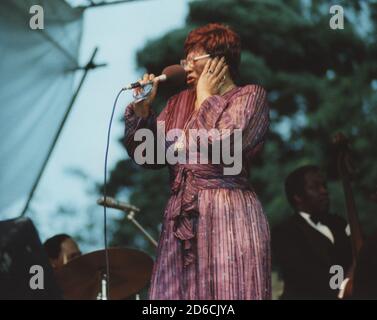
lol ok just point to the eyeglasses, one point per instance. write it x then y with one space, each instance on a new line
186 62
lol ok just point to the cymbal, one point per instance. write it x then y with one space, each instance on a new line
130 270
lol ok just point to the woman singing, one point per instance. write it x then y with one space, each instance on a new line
215 240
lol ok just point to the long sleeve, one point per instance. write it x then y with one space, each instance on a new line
247 111
133 143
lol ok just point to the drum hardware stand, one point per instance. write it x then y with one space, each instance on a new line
131 210
130 217
102 295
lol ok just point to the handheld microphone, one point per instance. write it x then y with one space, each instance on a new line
172 74
112 203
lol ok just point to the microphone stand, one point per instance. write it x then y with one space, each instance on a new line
131 217
102 295
129 210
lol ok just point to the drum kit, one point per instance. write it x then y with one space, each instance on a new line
89 277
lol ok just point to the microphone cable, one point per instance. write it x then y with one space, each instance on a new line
107 262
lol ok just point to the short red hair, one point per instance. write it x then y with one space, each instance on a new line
218 40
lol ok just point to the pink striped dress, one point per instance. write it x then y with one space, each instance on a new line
215 239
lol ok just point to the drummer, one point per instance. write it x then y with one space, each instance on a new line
61 249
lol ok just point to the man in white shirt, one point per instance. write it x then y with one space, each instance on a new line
310 242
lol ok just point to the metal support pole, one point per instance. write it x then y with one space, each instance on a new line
90 65
130 217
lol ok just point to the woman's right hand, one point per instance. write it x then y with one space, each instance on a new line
142 108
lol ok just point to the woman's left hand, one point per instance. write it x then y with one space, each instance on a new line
211 79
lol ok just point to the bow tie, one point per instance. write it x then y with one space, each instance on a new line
324 218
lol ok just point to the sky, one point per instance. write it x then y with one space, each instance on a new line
118 31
